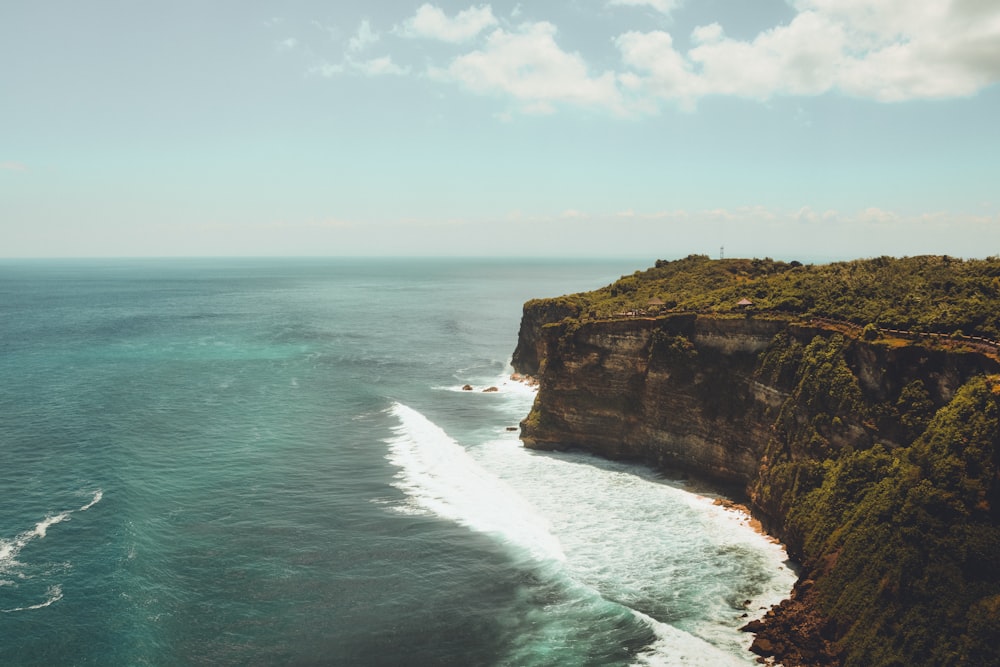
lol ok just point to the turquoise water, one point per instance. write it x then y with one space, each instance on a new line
272 462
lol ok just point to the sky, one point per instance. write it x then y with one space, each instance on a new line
565 128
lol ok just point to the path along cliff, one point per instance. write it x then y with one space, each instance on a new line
875 462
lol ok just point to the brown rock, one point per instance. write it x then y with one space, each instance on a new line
792 632
490 390
467 387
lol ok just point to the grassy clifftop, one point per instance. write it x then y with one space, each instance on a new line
924 294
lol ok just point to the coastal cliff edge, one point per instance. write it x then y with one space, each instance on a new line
874 459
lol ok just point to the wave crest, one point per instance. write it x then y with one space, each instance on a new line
10 549
440 477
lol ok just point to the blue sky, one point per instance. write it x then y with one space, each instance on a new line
634 128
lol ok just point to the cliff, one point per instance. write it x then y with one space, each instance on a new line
676 392
873 457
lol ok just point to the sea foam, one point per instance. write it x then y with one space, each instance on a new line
53 595
96 499
439 476
10 550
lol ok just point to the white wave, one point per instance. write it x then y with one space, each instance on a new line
7 552
460 388
42 526
54 594
10 550
651 545
97 498
439 476
675 648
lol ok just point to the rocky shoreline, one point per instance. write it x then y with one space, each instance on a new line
795 633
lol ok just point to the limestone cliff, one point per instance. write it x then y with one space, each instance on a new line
691 392
677 392
788 411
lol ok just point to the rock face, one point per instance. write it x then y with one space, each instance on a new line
531 348
676 392
690 392
763 406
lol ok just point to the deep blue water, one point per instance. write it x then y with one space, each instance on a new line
240 462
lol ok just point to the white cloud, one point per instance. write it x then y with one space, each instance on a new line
706 34
830 219
529 66
717 214
13 166
353 63
287 44
905 50
807 215
664 73
328 70
877 215
798 59
431 22
363 38
887 50
664 6
380 67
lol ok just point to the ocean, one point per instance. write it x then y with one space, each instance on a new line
273 462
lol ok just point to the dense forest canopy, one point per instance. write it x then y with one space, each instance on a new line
937 294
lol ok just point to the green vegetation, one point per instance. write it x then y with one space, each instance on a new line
925 294
901 537
913 535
